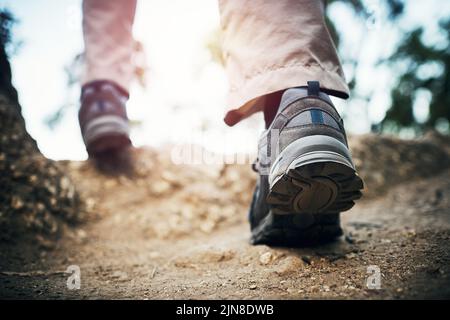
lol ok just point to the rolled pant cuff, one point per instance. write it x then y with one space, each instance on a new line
117 78
246 98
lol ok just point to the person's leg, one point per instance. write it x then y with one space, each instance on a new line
281 60
271 46
107 31
108 41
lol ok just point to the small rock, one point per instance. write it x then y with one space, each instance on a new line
349 239
154 254
351 255
207 226
81 234
306 259
110 183
120 275
410 233
65 183
16 203
160 187
289 266
291 290
44 243
266 258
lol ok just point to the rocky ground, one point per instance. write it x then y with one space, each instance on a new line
176 231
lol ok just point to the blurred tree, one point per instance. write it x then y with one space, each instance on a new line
6 22
394 9
416 55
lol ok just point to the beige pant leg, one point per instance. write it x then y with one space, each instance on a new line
272 45
108 41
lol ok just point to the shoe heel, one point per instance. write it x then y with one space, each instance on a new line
314 175
106 133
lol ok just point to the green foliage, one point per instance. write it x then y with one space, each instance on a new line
6 22
418 55
408 62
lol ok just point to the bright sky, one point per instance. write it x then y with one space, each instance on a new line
186 88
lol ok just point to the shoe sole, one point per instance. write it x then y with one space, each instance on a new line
314 175
106 133
296 230
310 183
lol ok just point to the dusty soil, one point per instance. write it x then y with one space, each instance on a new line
169 231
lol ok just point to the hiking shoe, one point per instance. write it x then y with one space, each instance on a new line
103 117
307 176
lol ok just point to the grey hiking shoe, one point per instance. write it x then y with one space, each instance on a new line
307 176
103 118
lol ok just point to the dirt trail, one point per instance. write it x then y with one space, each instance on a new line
181 232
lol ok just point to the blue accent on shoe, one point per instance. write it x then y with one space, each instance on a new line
316 116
